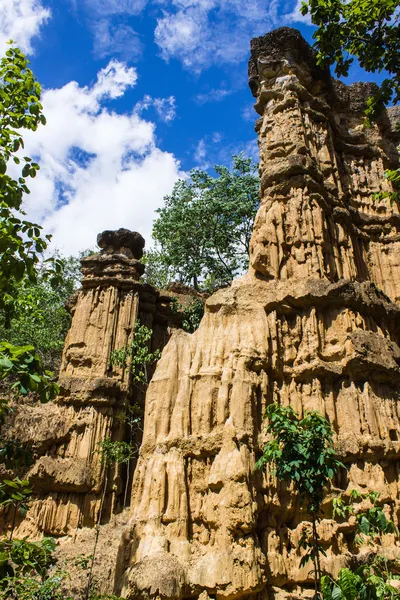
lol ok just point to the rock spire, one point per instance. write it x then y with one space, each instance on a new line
314 324
68 476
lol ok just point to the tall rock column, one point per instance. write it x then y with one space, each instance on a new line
313 324
326 208
69 476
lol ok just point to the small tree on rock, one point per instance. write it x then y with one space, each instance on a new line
301 451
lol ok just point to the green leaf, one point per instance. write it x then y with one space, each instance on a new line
337 593
364 525
347 582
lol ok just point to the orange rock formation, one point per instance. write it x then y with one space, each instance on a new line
314 324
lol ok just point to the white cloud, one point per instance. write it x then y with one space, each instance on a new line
213 150
249 113
109 21
99 169
296 17
208 149
21 20
164 107
113 80
214 95
115 7
115 39
217 137
205 32
199 33
200 154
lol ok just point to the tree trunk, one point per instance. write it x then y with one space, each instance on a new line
90 576
317 564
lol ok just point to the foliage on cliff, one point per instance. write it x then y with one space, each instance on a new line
40 318
301 451
368 31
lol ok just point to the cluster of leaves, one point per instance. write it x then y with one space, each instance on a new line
21 242
367 582
393 175
368 30
301 451
205 226
27 571
24 557
16 493
22 363
40 318
158 272
192 313
372 521
115 452
137 355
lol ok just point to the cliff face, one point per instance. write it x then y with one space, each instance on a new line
69 476
314 324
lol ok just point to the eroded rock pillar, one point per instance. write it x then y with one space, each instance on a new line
314 324
68 477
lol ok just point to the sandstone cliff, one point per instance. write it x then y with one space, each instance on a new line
68 475
314 323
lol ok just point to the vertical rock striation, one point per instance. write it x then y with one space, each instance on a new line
313 324
69 476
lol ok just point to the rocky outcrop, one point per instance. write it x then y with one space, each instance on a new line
313 324
68 476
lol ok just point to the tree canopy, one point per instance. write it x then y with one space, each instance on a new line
40 318
205 225
366 30
21 241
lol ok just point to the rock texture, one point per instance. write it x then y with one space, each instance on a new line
314 323
68 476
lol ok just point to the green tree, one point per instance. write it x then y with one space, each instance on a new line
28 571
40 318
302 453
366 30
21 242
205 226
21 248
158 272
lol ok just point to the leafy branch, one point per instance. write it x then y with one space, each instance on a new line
137 355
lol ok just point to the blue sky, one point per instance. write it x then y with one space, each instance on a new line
136 93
